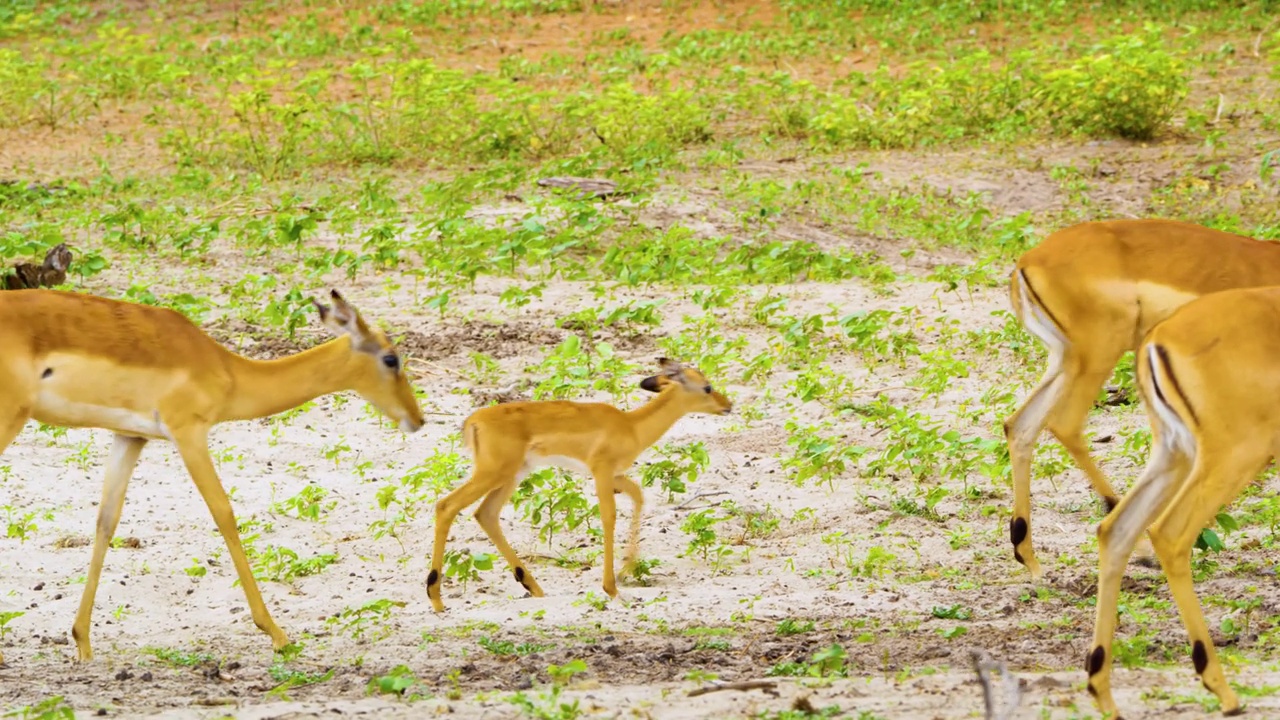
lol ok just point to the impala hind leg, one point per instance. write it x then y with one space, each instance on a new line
1215 481
1067 424
629 486
1021 430
1117 534
604 477
487 515
1061 403
480 483
120 465
193 445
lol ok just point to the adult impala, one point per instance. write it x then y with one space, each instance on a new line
1090 292
1210 385
509 440
148 373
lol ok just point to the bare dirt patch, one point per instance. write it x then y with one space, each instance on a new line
498 340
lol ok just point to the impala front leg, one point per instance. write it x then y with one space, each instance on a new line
120 465
194 448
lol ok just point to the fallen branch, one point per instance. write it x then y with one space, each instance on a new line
770 687
585 187
701 495
1257 42
440 369
877 391
1009 682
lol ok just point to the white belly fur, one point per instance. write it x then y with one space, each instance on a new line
532 462
53 409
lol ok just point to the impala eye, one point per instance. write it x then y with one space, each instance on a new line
391 361
706 389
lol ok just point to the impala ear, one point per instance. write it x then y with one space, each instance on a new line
654 383
671 368
341 318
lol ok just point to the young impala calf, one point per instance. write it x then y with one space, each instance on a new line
508 441
1211 387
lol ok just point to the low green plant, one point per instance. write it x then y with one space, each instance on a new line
399 681
679 467
371 620
308 504
828 662
53 708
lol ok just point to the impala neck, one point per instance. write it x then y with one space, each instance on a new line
267 387
653 419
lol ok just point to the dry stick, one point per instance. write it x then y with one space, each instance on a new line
440 368
983 664
877 391
985 679
701 495
769 686
1257 42
210 211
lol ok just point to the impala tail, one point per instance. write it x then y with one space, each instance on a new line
1032 312
469 434
1171 409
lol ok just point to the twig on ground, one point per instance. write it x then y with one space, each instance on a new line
1257 42
770 687
877 391
700 495
439 370
1009 682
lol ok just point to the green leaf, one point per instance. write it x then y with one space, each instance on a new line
1209 540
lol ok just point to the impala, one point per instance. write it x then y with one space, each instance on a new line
1210 384
507 441
1090 292
148 373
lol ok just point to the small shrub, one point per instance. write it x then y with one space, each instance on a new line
1129 87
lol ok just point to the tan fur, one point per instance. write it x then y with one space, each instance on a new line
148 373
1209 384
510 439
1106 284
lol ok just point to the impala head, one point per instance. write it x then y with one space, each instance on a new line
380 377
688 380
